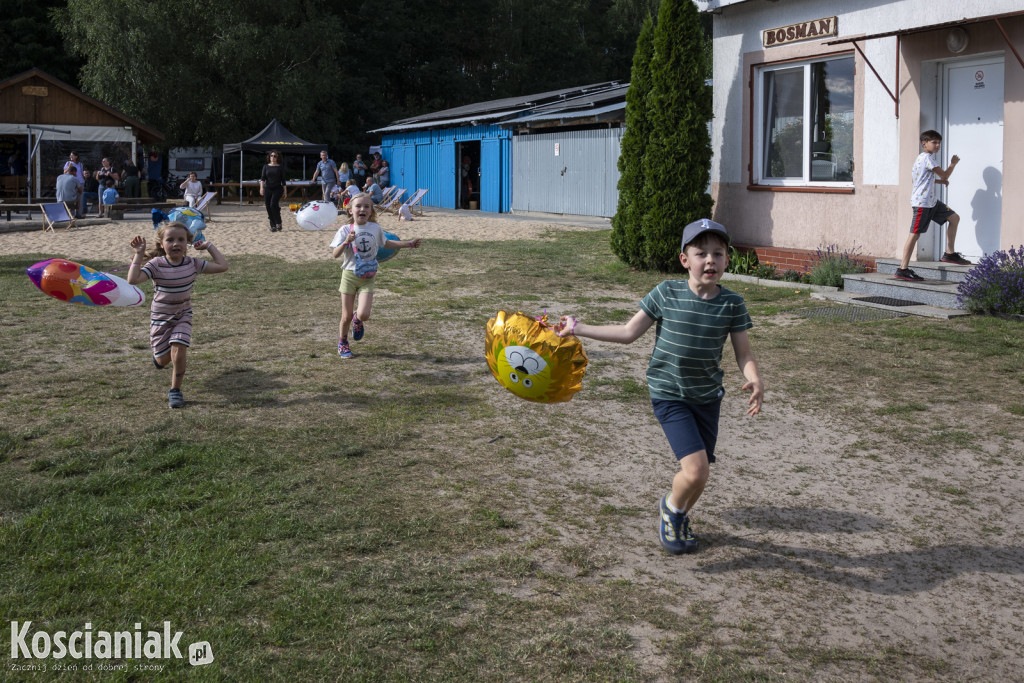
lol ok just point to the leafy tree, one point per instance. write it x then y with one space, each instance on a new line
28 40
206 72
678 156
627 236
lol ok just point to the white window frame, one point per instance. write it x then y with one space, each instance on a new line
758 128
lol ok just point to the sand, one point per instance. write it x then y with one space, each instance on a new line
245 230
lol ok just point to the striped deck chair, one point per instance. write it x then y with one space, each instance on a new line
202 206
57 212
414 201
392 204
387 195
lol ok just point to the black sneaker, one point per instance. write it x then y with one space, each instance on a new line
674 530
907 274
956 258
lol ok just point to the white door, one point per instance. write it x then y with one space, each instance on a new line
973 130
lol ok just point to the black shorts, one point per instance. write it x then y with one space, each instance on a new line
924 215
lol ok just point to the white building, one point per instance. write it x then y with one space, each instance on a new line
819 105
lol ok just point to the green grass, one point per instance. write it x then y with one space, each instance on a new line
369 520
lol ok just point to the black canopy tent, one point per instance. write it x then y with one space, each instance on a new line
274 137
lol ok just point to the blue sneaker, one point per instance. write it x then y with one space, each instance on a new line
175 399
358 329
344 351
674 530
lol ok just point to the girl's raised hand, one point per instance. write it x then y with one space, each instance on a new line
202 245
139 244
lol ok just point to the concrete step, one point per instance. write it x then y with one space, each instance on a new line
929 292
923 310
931 270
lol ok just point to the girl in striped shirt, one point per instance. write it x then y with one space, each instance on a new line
173 272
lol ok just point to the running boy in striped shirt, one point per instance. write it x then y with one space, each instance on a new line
684 376
173 273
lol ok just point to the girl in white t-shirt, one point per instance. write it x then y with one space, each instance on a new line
358 243
193 189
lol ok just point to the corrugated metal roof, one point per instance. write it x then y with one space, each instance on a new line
566 114
494 110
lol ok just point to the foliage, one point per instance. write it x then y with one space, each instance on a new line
830 264
28 39
627 237
742 262
765 271
678 160
794 276
996 284
209 72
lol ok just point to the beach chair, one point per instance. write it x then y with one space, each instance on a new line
392 203
414 202
57 212
203 204
387 195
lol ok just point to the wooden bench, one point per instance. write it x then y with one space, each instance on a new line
115 212
8 208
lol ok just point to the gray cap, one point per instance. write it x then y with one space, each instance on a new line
698 228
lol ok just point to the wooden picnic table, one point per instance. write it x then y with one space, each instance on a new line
251 189
115 212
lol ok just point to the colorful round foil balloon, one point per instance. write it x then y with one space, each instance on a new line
77 284
529 359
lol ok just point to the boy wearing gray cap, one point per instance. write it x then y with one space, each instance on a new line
684 376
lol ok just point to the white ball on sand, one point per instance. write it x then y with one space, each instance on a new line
316 215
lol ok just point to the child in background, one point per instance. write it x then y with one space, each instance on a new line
173 273
110 197
925 175
694 317
362 237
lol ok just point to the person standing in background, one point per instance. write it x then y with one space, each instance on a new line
272 187
132 184
327 170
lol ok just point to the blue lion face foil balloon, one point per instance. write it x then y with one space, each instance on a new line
191 219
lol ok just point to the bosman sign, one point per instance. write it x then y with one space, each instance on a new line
807 30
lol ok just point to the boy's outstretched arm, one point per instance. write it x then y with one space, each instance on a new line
748 366
620 334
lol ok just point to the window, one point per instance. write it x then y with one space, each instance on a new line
188 164
804 126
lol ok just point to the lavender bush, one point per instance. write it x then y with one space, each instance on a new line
830 264
996 285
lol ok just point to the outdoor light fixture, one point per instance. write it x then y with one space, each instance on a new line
956 40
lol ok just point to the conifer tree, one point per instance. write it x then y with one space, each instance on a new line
627 238
678 156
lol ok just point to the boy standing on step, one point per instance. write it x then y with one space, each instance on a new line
927 208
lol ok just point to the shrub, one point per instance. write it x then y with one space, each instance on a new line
765 271
741 262
830 264
677 161
996 285
627 240
793 276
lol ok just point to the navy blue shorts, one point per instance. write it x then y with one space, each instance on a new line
689 427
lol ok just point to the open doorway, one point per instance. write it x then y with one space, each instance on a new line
467 161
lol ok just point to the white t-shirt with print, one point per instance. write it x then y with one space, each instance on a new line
923 180
369 238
